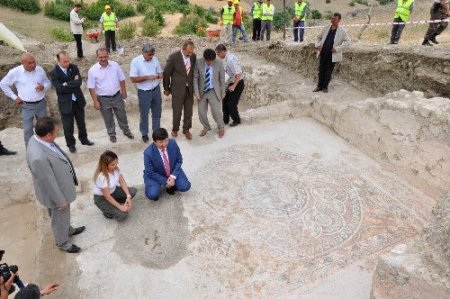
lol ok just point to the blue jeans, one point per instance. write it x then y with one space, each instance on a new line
299 32
243 33
150 99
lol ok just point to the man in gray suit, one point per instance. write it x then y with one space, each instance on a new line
54 180
209 88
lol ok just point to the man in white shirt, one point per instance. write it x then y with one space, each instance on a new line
76 26
106 84
31 84
146 72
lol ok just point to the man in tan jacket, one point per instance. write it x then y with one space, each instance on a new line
330 44
76 26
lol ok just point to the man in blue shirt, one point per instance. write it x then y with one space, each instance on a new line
146 71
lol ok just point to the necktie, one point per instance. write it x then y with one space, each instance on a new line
187 65
66 71
57 150
207 79
166 163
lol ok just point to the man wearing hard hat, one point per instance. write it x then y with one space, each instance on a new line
110 25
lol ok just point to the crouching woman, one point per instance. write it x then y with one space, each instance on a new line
111 193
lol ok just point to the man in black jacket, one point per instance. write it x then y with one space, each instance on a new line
67 81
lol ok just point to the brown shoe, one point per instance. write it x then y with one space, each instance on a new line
221 132
113 139
174 133
203 133
187 134
129 135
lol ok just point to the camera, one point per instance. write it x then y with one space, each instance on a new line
5 272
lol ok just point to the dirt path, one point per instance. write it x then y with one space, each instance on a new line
171 22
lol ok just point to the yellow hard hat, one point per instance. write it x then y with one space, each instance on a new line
107 7
236 1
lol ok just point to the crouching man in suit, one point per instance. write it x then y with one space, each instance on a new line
162 166
54 181
67 81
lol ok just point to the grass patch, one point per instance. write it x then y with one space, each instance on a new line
62 35
127 30
30 6
151 28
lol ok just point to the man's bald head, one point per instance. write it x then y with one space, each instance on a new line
28 61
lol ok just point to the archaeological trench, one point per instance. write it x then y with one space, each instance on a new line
310 188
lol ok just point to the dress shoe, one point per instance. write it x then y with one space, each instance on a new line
113 138
6 152
433 40
145 138
129 135
233 124
226 120
325 90
317 89
108 216
156 199
87 142
72 149
174 133
203 133
426 43
73 249
78 230
171 190
221 132
187 134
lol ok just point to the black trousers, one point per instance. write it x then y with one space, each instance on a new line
79 45
256 29
396 31
77 114
326 68
230 104
110 40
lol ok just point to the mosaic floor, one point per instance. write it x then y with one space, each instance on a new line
272 212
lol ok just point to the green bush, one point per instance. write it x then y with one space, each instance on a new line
150 28
281 20
328 15
58 9
127 30
62 35
163 6
191 24
363 2
316 15
30 6
95 10
351 3
155 15
385 2
327 1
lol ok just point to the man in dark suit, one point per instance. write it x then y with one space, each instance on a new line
54 180
67 81
162 162
178 80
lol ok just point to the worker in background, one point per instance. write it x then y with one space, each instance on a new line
110 26
268 10
439 11
238 22
257 15
300 10
402 13
227 13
